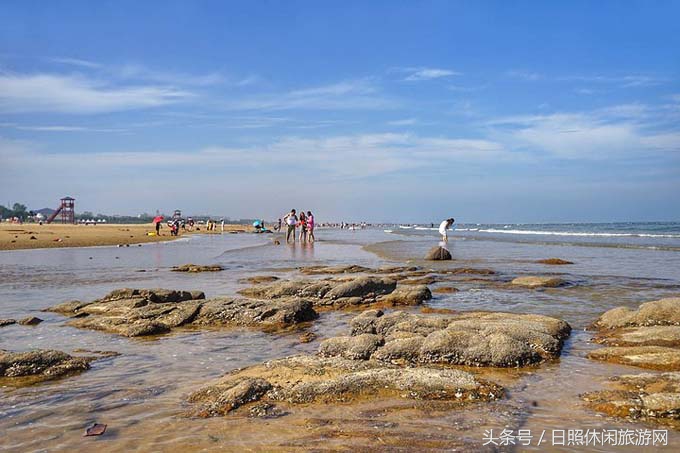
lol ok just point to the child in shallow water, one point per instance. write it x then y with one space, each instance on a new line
303 227
310 226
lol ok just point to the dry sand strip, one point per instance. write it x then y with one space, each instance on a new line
33 236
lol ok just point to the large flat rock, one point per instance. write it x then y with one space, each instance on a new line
43 364
309 379
472 338
647 337
133 312
342 293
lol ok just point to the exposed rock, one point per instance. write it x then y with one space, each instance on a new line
468 271
343 293
648 337
267 315
198 268
358 347
395 270
307 337
7 322
312 379
362 287
651 357
438 254
351 269
406 295
43 363
30 321
132 312
663 312
445 290
554 262
256 280
418 281
643 396
473 338
539 282
69 308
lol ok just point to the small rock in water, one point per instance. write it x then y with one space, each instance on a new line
438 254
533 281
97 429
445 290
307 337
30 321
554 262
7 322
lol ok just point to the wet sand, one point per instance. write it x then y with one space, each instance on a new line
35 236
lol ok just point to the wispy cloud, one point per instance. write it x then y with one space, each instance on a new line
69 94
420 74
57 128
143 73
404 122
622 81
359 94
525 75
76 62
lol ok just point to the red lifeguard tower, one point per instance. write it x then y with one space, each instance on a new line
67 209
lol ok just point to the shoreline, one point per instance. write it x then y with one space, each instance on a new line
34 236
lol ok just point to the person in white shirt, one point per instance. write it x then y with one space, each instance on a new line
445 225
291 220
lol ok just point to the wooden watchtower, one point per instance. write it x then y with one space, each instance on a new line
68 210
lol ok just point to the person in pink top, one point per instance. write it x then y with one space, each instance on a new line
310 226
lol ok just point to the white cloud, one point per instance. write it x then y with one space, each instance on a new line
618 131
420 74
334 157
67 94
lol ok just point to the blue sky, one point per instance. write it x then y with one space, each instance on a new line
383 111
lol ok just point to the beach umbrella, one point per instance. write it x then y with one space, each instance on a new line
157 219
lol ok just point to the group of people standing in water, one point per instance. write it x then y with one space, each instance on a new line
304 221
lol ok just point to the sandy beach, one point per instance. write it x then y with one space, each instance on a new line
34 236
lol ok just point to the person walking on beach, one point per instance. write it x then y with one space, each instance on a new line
303 227
291 221
310 226
157 224
445 225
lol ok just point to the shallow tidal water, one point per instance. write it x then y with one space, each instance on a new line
140 393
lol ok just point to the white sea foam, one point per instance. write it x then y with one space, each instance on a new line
575 233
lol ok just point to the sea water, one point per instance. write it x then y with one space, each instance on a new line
140 394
